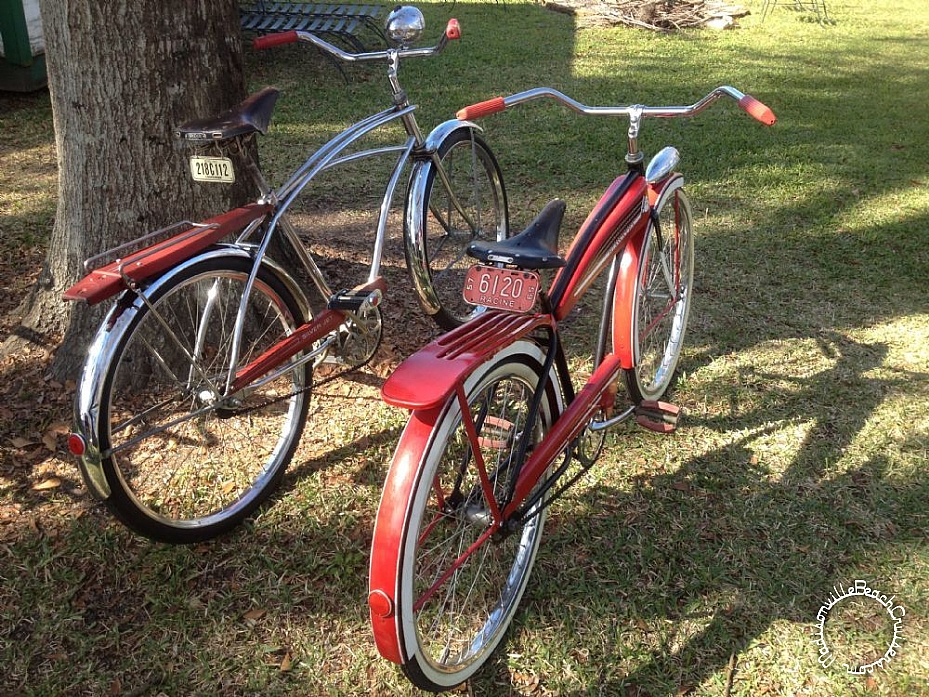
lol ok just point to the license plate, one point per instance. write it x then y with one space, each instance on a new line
211 169
505 289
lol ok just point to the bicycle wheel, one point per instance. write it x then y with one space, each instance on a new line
664 284
476 183
458 587
184 464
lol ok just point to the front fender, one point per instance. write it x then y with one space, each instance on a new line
427 379
444 130
104 345
415 248
624 321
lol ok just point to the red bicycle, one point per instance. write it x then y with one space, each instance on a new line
464 502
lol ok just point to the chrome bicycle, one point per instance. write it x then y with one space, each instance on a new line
196 386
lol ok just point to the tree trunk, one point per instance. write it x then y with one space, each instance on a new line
122 75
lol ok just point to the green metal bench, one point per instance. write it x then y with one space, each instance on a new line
340 22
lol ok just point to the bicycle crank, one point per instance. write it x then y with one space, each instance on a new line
360 335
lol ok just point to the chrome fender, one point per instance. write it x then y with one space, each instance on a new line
413 219
103 346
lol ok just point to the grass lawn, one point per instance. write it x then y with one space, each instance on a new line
690 564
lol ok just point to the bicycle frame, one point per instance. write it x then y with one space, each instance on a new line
619 221
613 234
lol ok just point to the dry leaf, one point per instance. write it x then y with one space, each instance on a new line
50 441
45 485
20 442
286 662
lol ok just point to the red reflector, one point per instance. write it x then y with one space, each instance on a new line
380 604
76 444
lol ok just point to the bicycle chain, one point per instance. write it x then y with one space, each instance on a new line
324 381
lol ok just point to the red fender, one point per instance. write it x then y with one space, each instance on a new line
427 379
624 296
424 382
109 280
388 530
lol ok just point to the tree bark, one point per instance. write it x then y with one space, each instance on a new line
122 75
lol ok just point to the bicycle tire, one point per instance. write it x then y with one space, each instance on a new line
662 297
476 179
449 636
199 477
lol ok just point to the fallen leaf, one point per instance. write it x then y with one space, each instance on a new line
50 441
20 442
45 485
286 663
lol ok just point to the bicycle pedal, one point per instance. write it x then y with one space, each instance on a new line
660 417
354 300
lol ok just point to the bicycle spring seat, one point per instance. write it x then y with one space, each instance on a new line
536 247
250 116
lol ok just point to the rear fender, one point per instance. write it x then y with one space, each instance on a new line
428 378
624 297
405 468
154 259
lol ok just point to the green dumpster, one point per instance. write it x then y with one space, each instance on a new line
22 46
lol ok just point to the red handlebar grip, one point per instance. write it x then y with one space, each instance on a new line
453 30
757 110
475 111
270 40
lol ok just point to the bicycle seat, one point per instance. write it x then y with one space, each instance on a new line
251 115
536 247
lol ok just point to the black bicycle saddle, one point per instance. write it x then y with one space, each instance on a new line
536 247
251 115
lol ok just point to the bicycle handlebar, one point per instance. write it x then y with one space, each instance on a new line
749 105
452 32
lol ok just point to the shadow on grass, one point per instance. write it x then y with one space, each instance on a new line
691 567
